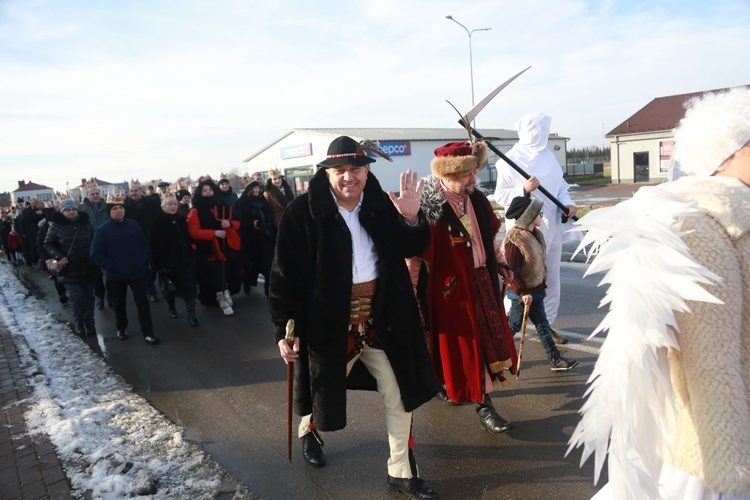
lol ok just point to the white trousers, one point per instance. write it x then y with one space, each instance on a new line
397 421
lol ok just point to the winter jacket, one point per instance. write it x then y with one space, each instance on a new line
203 220
143 211
252 209
277 199
98 214
311 282
170 242
228 197
72 239
7 227
30 223
121 249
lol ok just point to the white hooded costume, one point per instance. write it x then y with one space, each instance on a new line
531 154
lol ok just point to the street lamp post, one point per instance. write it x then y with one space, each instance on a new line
471 62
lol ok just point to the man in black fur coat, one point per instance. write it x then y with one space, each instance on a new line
339 272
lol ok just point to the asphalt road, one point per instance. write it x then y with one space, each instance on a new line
225 383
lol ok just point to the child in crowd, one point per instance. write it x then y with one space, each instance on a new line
524 249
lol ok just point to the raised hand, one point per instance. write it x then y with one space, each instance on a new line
407 202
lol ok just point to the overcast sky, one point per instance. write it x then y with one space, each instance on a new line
121 89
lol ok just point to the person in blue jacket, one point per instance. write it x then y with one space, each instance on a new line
120 248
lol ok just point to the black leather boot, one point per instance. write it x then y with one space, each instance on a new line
190 308
489 418
311 449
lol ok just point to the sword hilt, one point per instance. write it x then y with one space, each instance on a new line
289 337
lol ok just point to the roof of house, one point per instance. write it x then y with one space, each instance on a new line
98 182
662 113
30 186
400 134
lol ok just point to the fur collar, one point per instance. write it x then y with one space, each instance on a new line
432 199
60 219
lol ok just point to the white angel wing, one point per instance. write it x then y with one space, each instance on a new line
651 275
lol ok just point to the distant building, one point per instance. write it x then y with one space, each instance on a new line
105 187
297 153
29 190
642 145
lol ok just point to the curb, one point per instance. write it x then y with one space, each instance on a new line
29 465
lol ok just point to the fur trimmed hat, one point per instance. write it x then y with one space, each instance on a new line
457 159
524 210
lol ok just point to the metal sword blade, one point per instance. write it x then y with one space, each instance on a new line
473 112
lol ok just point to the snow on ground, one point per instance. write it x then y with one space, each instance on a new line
111 441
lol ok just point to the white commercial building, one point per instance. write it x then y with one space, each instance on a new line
297 153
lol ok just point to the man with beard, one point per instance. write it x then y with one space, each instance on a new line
339 272
458 287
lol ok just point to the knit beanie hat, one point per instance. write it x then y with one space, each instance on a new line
715 126
68 203
524 210
182 193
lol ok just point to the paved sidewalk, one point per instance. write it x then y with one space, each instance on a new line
29 466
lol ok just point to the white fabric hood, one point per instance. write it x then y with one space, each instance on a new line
533 132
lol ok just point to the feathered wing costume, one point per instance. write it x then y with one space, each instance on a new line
652 274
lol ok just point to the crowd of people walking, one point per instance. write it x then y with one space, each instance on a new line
403 293
205 246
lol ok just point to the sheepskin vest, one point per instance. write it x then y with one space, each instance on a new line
710 436
533 272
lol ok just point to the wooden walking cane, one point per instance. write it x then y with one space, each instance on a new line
289 389
523 338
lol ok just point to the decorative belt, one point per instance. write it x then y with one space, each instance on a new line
361 304
361 331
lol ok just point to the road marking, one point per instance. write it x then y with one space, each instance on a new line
570 345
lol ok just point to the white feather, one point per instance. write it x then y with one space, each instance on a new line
651 275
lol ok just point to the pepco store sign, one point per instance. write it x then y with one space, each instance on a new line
396 148
296 151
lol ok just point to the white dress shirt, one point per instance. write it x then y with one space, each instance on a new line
364 257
